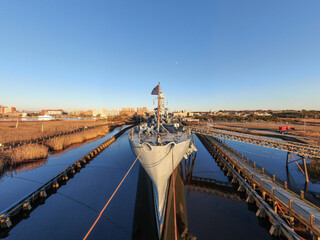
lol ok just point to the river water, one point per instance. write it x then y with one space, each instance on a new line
70 212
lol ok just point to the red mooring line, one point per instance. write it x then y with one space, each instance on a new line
104 208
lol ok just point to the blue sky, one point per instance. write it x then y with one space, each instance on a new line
223 54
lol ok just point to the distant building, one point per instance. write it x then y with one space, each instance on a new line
112 112
5 109
52 112
128 111
262 114
142 111
100 112
184 113
88 113
105 112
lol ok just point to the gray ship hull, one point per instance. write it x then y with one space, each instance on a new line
157 161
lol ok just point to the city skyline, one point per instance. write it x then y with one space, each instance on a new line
13 109
210 55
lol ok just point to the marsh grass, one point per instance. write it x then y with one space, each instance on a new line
60 143
310 133
26 152
32 152
31 130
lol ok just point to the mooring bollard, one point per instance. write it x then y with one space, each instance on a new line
5 222
72 171
55 185
26 206
84 161
78 164
42 194
64 177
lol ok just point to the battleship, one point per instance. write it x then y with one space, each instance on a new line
160 144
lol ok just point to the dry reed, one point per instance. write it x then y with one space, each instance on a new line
310 135
26 152
27 130
60 143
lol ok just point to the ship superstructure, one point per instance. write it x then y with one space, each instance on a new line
160 143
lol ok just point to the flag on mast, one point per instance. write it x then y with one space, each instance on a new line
156 90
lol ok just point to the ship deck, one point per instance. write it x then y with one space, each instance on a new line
166 137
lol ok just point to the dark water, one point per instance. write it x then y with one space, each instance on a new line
16 184
216 216
70 212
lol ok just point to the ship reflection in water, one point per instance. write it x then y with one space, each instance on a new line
144 223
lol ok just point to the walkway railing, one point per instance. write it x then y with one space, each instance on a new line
284 201
300 149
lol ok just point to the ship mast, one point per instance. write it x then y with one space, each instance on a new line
159 107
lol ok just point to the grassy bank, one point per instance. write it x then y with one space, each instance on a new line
309 133
60 143
25 153
24 130
30 152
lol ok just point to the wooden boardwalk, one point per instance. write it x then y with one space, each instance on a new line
290 203
300 149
